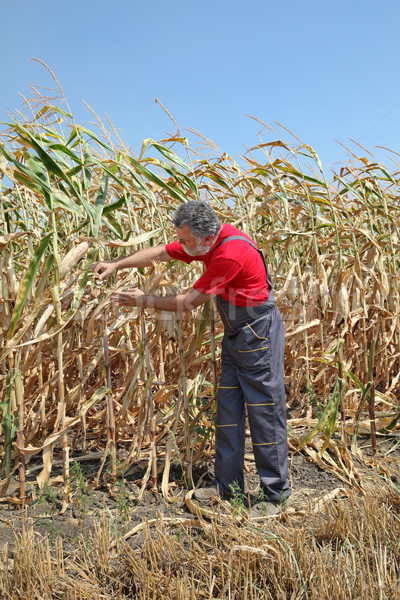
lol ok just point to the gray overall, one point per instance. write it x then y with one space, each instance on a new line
252 379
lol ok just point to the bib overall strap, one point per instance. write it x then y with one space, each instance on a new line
240 237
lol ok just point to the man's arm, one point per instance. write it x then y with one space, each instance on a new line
136 297
141 258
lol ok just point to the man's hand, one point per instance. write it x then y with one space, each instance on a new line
105 268
129 298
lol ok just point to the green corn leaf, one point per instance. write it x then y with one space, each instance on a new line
110 172
55 109
27 284
302 176
173 172
332 419
67 203
218 179
391 425
360 385
75 171
40 185
80 288
73 137
8 426
324 417
29 183
67 151
201 325
88 167
113 225
37 304
94 137
114 206
144 147
171 156
99 204
36 166
48 161
173 191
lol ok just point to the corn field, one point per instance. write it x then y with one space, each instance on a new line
80 374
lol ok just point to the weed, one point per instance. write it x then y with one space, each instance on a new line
238 500
174 508
283 499
121 501
263 500
47 500
79 489
121 496
177 456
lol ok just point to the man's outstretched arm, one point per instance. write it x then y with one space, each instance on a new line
136 297
138 260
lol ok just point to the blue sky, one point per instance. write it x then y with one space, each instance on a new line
326 70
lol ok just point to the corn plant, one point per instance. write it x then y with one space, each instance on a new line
70 195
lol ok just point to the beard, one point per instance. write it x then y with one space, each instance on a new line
199 250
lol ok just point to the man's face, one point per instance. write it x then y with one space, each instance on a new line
191 244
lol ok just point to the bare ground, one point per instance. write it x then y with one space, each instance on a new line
124 509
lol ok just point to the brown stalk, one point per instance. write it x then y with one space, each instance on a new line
111 433
19 393
372 420
150 402
79 364
182 388
61 402
213 351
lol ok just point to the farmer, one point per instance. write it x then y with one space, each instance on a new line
252 347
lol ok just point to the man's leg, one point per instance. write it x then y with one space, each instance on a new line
260 375
267 421
230 431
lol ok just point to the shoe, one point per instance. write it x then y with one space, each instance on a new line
207 493
266 509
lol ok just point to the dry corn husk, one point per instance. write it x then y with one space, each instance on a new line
293 290
324 294
43 320
342 305
12 282
72 257
385 284
167 320
315 291
356 299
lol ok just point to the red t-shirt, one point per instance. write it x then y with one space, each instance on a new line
234 271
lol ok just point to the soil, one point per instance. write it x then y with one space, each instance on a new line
125 510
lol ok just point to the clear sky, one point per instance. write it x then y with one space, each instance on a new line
326 70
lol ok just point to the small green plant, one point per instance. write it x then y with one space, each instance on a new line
238 500
262 499
177 456
79 489
46 499
174 508
121 496
312 400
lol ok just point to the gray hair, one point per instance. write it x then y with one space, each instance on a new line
200 217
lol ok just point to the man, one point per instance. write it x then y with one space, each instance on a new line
252 347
